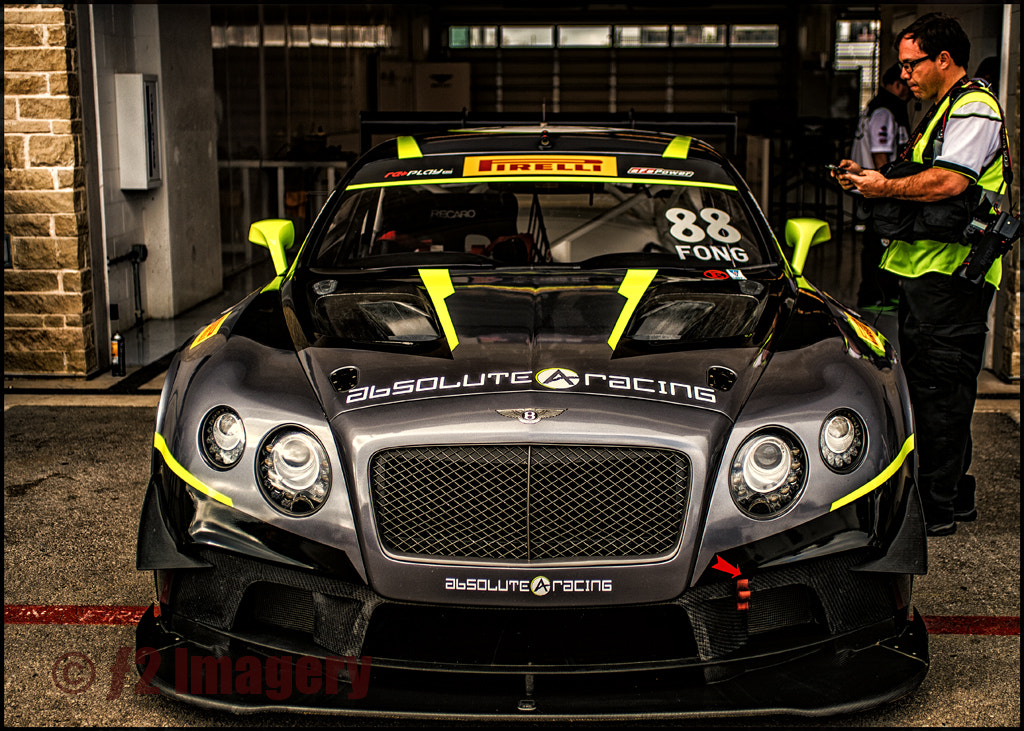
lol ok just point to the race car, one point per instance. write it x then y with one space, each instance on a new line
539 422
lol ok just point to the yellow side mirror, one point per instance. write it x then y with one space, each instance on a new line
801 235
277 235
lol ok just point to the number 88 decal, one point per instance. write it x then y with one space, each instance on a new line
686 229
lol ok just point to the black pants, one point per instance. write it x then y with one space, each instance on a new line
942 345
877 286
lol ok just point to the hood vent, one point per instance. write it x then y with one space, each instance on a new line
721 378
345 379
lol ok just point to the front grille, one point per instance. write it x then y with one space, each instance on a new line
529 502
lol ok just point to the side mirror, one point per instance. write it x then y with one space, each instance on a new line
277 235
801 235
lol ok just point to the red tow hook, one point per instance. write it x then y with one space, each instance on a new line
742 595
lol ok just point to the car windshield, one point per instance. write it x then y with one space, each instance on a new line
566 221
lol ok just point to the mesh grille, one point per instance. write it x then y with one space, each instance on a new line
529 502
278 605
781 607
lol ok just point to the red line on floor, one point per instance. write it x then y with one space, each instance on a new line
71 614
963 625
113 615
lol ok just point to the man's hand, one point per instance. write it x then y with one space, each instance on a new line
933 184
841 176
871 183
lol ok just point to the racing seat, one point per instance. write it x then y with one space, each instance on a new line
445 221
454 217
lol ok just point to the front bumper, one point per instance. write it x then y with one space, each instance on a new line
846 674
817 638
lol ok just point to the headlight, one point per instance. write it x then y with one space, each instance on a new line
222 438
293 471
767 474
842 441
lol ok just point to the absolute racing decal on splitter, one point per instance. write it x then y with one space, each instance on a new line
559 379
538 585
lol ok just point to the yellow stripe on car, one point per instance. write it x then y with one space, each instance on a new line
274 285
408 148
881 479
210 330
439 287
633 286
187 477
678 148
868 335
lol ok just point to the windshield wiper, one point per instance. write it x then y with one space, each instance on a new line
634 260
423 259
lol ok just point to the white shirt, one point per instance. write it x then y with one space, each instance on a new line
971 141
877 132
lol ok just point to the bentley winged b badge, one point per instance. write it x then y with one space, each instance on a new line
530 416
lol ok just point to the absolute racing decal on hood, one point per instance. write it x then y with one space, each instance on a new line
558 379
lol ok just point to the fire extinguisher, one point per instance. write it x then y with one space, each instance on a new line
117 355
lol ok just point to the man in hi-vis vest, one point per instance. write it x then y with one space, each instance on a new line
962 150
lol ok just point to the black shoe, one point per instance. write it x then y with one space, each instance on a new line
941 529
964 507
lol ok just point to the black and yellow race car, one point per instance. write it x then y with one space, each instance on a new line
539 422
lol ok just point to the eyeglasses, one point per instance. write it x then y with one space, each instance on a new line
909 66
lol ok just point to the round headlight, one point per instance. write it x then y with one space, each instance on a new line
766 465
222 438
767 474
842 441
293 471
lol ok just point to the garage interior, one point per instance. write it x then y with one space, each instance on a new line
275 96
792 79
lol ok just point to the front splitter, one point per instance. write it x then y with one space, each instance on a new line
833 677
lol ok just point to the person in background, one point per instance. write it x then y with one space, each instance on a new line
883 130
942 321
988 70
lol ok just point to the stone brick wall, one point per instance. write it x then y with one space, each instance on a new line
48 303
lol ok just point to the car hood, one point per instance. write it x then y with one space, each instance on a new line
680 341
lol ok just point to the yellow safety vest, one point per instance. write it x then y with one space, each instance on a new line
912 259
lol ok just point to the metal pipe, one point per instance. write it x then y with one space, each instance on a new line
136 256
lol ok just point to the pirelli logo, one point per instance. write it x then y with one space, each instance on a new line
540 165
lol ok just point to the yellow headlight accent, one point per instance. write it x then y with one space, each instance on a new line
883 476
187 477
